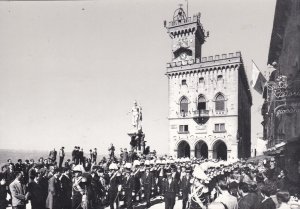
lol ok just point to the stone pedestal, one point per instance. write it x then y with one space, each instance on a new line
137 142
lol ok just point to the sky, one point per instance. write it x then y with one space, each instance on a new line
70 70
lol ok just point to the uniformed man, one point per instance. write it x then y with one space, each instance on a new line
77 190
128 186
114 183
136 176
147 182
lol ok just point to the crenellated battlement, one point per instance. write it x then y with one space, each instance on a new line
210 61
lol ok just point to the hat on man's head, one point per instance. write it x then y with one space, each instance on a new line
77 169
113 166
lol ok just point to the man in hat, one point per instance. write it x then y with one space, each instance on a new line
147 181
77 191
136 176
113 188
170 190
128 185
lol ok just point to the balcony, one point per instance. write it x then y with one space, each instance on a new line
201 116
201 113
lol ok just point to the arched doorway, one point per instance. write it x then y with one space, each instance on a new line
183 149
201 150
220 150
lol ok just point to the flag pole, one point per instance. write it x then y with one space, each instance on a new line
256 66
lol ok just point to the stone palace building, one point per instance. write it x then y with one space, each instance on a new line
209 97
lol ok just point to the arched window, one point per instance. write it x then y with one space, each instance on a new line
201 102
220 102
184 106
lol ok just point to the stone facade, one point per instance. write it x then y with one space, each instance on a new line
209 98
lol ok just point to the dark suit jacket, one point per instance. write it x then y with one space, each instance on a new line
147 181
128 185
267 204
36 194
185 186
250 201
66 187
170 189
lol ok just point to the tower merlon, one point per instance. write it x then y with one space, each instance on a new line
209 61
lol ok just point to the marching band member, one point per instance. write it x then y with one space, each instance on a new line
147 182
128 185
77 191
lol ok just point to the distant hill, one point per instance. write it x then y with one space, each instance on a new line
14 155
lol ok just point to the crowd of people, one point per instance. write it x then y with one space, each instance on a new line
85 183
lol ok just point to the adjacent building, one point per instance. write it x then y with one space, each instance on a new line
281 108
209 97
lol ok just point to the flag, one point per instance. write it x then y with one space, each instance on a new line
258 80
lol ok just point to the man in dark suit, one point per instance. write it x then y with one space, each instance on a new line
81 156
61 156
170 190
249 199
185 186
18 192
147 181
74 154
35 191
267 202
66 187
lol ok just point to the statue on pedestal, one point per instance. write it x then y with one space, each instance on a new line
136 134
136 117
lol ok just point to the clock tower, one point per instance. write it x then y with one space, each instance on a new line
187 36
209 97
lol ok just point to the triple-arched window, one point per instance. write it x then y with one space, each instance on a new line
184 105
220 102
